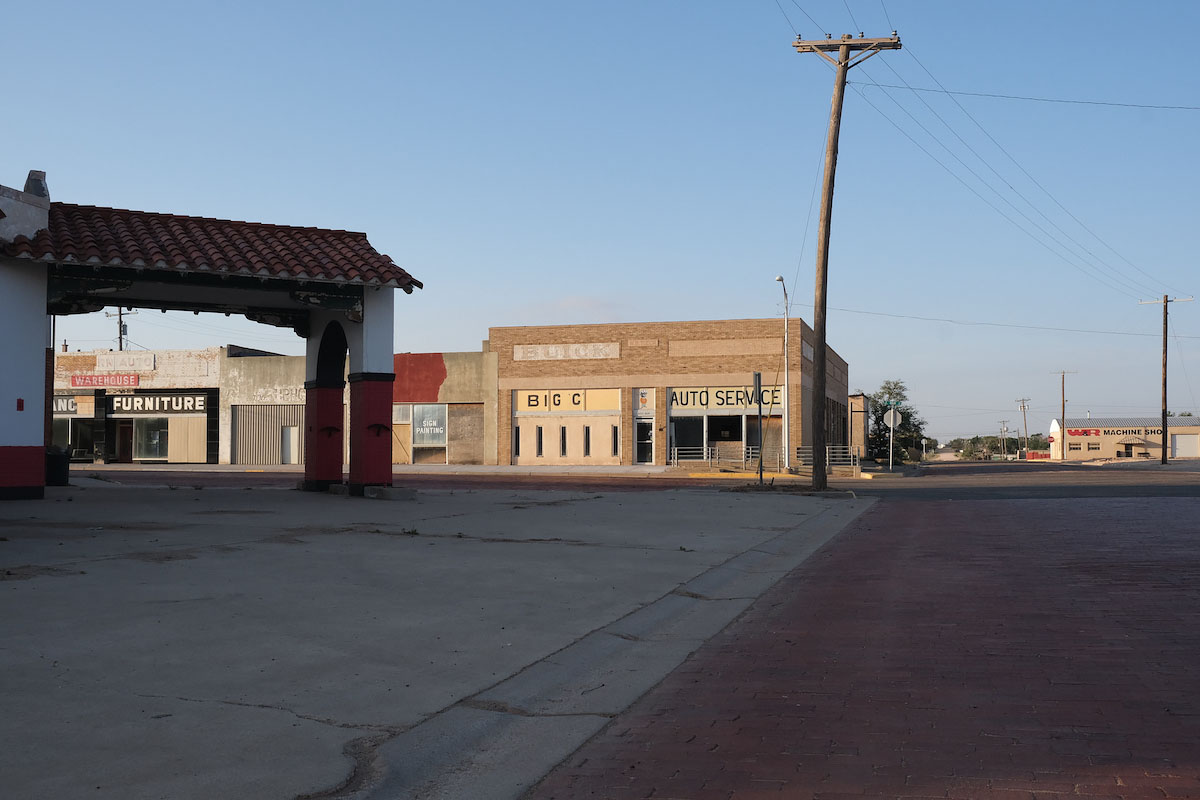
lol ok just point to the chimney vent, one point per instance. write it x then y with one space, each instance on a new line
35 184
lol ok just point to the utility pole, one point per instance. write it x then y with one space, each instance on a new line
1004 439
122 331
864 49
787 383
1062 431
1165 302
1025 419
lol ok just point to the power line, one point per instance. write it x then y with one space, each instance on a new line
1118 275
1042 99
886 15
997 324
808 218
1183 365
785 16
1034 180
988 203
810 19
846 3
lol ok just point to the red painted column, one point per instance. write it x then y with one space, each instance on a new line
370 430
323 436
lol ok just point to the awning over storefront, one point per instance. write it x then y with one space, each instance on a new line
1138 440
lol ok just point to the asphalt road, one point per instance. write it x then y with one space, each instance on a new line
936 481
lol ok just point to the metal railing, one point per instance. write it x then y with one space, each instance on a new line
707 455
838 458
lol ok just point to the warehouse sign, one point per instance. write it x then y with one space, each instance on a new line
99 381
429 425
157 404
727 397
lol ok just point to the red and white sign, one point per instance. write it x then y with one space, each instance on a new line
88 381
1083 431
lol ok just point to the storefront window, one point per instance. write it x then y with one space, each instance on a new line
61 434
150 437
82 440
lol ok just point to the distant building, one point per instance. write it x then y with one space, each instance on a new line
658 392
444 408
1124 437
213 405
605 394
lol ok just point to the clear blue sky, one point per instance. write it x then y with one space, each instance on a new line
548 162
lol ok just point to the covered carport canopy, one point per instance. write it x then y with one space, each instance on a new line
275 274
330 286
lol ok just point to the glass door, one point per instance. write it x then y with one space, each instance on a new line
644 441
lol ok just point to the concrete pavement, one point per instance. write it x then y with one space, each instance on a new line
198 643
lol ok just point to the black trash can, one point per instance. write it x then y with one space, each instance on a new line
58 467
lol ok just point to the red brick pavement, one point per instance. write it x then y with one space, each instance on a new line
996 649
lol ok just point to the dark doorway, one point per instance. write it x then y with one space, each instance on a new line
124 441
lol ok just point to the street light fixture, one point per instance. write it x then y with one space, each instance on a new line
787 456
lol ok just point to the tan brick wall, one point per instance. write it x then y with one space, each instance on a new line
465 426
651 355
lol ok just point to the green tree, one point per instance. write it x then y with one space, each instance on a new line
908 433
972 448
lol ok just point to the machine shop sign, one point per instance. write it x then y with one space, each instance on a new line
98 381
157 404
1114 431
429 425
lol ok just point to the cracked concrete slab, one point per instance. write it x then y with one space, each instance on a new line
269 643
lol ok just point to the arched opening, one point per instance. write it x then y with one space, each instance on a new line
324 437
331 357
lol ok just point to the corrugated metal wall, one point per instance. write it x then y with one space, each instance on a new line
258 430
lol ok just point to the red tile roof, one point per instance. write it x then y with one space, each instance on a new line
148 240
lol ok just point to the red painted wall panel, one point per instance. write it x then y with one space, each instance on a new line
23 466
419 377
370 434
323 434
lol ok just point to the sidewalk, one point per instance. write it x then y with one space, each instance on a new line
994 649
463 469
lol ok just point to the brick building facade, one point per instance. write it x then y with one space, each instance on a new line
630 393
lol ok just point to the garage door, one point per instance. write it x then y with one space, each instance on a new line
1185 445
